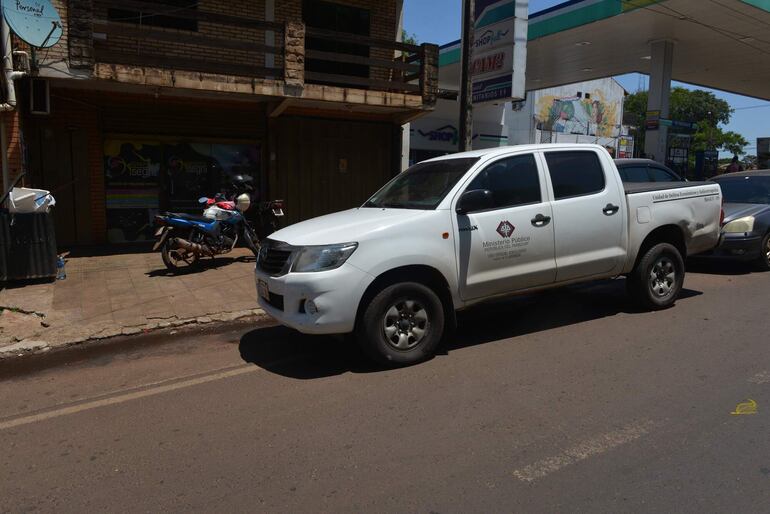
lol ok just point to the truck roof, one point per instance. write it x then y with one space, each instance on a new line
502 150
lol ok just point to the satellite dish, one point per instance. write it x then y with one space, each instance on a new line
34 21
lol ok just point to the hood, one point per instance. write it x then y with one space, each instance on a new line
733 211
346 226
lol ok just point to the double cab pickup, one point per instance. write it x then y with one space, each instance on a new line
461 229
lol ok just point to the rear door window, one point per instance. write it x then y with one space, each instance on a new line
575 173
661 175
635 174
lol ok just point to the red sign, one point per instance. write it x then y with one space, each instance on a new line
492 62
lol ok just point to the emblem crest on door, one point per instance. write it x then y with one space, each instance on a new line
505 229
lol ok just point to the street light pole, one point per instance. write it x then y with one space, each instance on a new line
466 101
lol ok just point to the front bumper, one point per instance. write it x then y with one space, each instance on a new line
336 294
736 247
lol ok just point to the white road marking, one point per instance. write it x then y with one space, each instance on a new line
121 398
588 448
760 378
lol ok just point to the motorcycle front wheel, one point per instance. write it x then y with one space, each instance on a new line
177 259
251 239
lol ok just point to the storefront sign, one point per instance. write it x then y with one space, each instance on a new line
499 48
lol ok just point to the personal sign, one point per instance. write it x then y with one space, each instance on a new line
499 51
36 22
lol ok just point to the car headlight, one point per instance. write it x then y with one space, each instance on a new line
745 224
323 258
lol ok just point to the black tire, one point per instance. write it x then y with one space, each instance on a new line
763 262
173 264
400 343
657 279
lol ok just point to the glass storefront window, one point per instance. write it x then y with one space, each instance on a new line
145 177
132 181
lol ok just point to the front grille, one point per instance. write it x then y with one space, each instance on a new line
272 258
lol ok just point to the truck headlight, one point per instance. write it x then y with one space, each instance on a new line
745 224
323 258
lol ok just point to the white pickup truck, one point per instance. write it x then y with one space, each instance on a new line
457 230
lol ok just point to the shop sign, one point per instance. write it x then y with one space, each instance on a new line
499 47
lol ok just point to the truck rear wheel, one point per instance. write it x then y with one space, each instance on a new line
658 278
402 325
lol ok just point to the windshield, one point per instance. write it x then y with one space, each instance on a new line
422 186
746 189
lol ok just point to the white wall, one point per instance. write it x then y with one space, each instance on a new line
559 110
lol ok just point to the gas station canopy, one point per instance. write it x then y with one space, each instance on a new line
721 44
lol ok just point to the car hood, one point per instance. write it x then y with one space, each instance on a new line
346 226
733 211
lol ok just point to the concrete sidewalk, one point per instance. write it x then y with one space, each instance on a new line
106 296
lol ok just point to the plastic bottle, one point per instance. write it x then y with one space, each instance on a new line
61 273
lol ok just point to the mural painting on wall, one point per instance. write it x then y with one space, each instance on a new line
588 114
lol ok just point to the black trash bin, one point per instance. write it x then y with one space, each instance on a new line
31 248
5 243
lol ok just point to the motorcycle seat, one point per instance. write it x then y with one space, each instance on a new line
190 217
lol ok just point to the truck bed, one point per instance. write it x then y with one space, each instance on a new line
647 187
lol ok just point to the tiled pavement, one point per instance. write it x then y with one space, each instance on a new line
104 296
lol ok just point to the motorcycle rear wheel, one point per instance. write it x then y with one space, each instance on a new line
177 259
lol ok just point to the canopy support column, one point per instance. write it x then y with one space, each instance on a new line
656 140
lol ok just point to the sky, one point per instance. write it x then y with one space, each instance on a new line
438 21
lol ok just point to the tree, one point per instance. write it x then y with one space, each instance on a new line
696 106
734 143
409 39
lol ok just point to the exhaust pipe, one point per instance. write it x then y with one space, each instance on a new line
195 248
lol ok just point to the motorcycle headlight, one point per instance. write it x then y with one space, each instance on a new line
323 258
739 226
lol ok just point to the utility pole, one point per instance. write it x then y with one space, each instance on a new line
466 100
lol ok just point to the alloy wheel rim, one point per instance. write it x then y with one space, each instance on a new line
662 277
405 324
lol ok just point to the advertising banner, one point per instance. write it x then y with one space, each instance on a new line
499 59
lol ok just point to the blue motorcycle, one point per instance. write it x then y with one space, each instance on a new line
184 238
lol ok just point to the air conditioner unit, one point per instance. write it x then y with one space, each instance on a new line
39 96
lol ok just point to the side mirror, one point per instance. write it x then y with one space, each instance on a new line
203 199
476 200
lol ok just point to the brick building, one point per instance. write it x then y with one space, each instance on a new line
153 104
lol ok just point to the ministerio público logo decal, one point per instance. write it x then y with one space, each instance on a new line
505 228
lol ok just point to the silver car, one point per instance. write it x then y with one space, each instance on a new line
746 227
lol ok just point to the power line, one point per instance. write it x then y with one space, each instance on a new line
736 11
751 107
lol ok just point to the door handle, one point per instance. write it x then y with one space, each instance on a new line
610 209
540 220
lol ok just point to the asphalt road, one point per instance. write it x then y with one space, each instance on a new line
567 401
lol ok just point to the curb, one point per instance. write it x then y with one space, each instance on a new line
40 346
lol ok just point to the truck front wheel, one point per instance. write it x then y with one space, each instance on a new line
402 325
658 278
